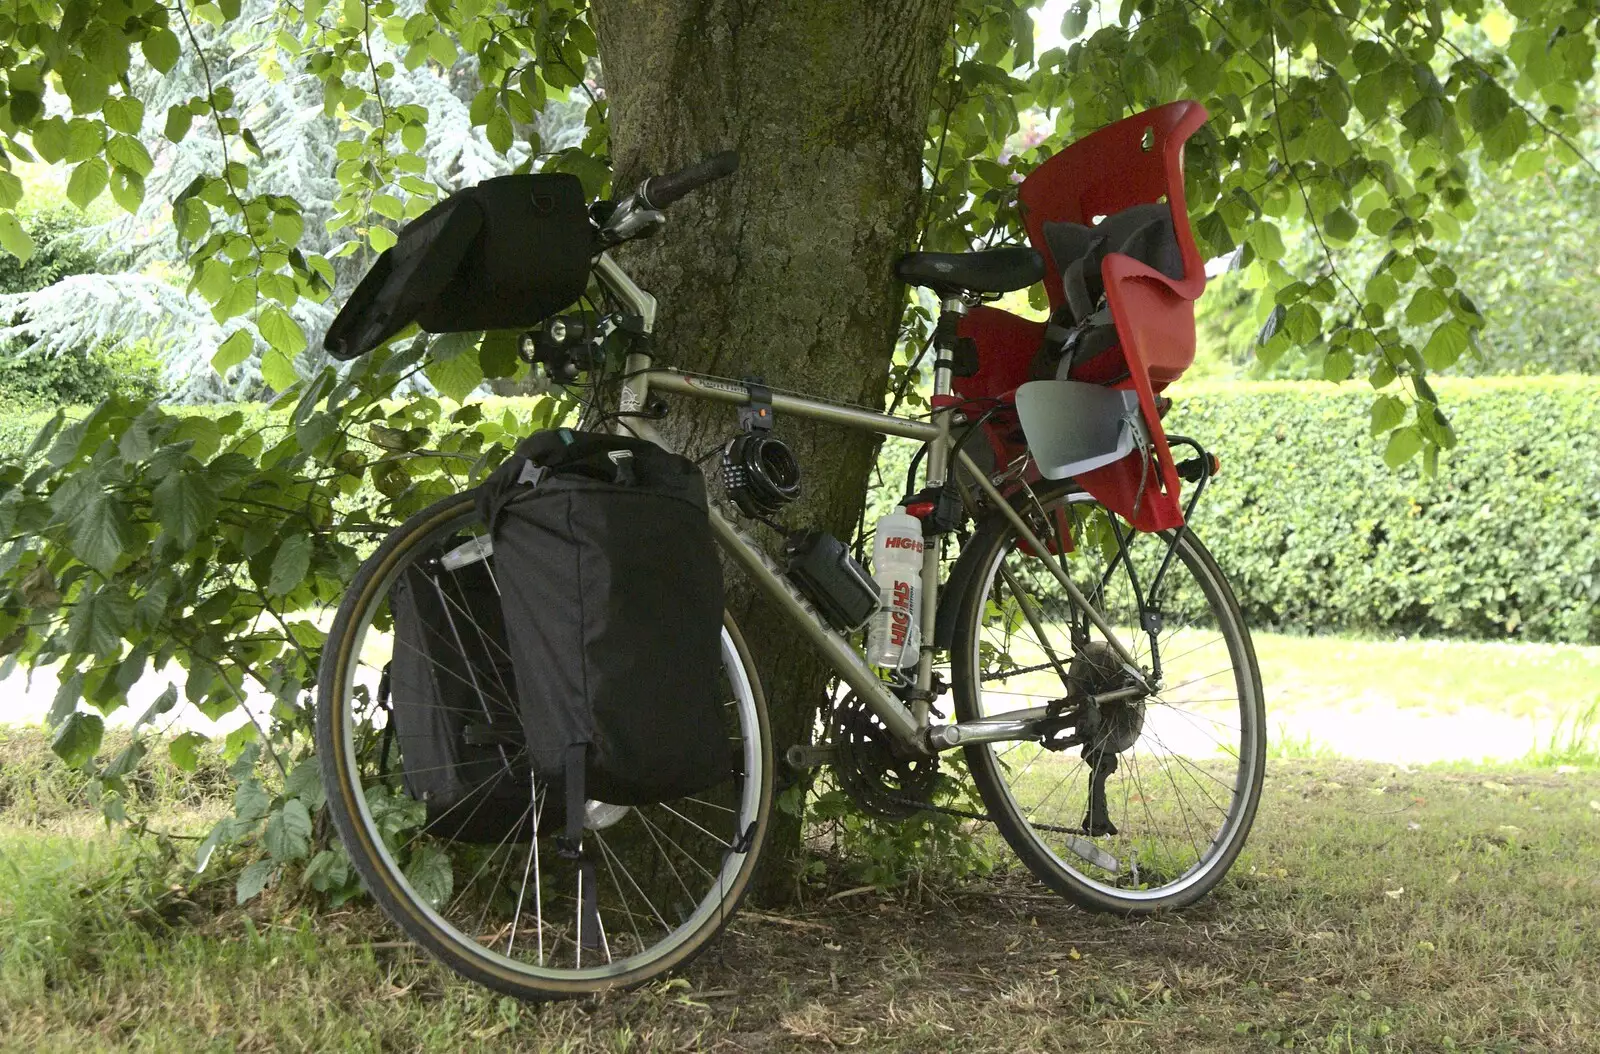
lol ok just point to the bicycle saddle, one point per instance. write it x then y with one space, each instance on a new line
989 271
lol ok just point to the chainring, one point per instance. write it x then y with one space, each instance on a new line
864 762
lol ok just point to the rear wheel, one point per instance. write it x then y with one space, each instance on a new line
669 875
1131 804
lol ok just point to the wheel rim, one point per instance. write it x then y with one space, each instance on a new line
1182 795
532 948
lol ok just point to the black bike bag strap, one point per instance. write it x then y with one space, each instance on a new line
572 847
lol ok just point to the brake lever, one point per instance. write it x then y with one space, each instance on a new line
629 219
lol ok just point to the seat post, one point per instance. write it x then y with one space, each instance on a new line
952 309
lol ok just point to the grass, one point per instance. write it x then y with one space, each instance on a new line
1574 741
1440 676
1376 909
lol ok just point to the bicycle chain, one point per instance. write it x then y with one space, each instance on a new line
967 814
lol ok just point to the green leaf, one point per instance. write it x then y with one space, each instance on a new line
1267 240
429 875
234 350
99 530
250 801
1341 225
499 131
164 702
1487 104
185 505
1214 233
1403 446
1447 343
287 227
281 331
1387 413
125 114
455 377
277 369
389 206
160 49
185 750
66 700
127 189
288 833
1302 323
1075 20
290 564
1327 143
227 831
128 152
10 189
87 181
179 118
78 738
1424 118
252 880
1426 305
381 238
13 239
329 870
305 783
99 620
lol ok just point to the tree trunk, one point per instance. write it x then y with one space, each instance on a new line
784 270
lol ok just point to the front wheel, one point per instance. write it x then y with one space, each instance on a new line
504 914
1130 804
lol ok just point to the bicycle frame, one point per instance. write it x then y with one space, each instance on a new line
909 725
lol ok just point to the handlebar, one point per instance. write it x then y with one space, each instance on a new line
639 213
657 192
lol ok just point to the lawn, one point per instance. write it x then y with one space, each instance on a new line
1377 908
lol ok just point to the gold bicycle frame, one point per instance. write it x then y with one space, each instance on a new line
908 725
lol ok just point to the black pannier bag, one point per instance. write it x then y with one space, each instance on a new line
451 693
504 254
612 593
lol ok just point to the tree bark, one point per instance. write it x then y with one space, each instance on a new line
783 271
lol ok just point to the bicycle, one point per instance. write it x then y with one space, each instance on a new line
1097 673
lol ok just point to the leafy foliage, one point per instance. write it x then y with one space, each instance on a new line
1316 535
1362 124
137 540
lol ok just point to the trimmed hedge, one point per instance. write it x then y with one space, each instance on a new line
1317 534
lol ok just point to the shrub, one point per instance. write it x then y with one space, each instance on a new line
1317 534
31 377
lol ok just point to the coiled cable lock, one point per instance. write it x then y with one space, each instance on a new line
760 474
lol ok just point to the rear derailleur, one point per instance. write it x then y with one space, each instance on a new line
1103 728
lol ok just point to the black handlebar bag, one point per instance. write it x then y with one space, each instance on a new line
450 692
504 254
611 590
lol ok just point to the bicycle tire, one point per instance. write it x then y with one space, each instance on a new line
377 867
994 538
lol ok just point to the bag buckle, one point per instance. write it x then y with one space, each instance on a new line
622 465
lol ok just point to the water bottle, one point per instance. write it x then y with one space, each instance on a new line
892 635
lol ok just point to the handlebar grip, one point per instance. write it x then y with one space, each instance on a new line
657 192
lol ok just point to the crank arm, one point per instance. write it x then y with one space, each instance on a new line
803 756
